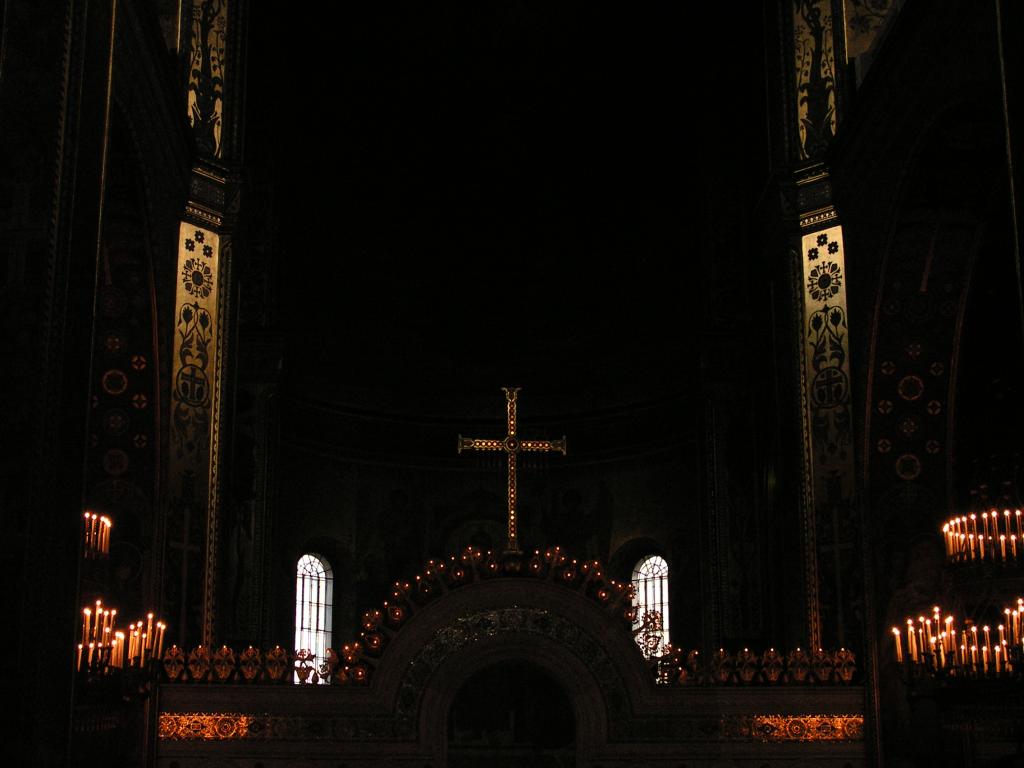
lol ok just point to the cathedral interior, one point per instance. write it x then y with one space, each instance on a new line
435 385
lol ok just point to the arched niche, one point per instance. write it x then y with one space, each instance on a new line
555 630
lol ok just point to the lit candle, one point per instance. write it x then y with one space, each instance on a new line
149 629
970 545
985 630
974 524
92 647
1020 533
910 641
984 659
1013 545
85 625
928 632
1002 544
974 657
895 635
984 524
1002 634
942 656
995 653
78 659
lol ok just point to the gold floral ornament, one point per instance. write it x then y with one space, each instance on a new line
199 663
174 663
846 665
305 667
722 667
771 666
825 280
822 666
798 666
197 277
746 666
223 664
276 663
249 664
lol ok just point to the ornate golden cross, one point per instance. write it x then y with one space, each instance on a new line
511 445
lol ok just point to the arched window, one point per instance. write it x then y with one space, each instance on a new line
314 587
650 628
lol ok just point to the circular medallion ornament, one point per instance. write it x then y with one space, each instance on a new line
829 388
226 727
112 301
824 281
115 421
192 385
910 387
795 729
908 466
197 277
114 382
115 462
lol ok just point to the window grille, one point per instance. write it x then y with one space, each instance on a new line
651 625
314 584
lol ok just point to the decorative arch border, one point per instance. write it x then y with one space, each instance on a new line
570 654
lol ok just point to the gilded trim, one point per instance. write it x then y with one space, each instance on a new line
236 726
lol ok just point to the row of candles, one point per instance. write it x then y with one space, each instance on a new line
991 535
936 641
103 642
96 534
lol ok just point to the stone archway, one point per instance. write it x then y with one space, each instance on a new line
544 626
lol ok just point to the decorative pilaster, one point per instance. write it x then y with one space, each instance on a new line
203 320
815 64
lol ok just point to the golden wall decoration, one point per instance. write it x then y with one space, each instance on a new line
815 71
235 726
208 26
204 726
828 428
195 400
808 727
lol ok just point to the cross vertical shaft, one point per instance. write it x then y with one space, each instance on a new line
512 446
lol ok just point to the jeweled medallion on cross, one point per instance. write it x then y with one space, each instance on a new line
512 445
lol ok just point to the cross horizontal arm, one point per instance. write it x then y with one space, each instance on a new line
543 445
473 444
